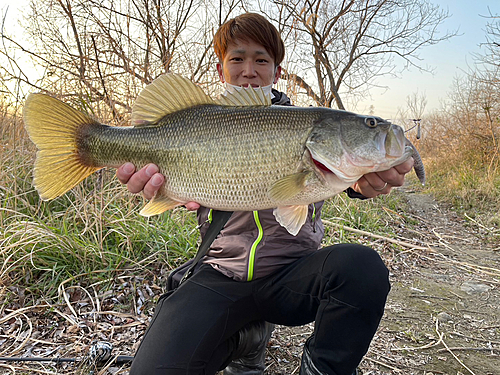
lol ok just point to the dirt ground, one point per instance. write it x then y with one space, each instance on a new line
443 312
442 315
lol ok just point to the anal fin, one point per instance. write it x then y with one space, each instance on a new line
291 217
158 205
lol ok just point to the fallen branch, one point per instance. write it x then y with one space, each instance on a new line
427 346
483 269
466 266
383 364
494 231
20 311
373 235
441 335
476 338
460 348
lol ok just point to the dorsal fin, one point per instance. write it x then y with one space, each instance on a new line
166 94
245 96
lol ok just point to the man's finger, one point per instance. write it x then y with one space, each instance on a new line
192 206
139 179
125 172
405 167
153 185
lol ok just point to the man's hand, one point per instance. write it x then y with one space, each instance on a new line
376 183
148 180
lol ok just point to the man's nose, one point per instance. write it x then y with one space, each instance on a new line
249 69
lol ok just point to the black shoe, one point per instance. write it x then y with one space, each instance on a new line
250 355
307 366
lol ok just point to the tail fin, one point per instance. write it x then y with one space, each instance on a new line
53 127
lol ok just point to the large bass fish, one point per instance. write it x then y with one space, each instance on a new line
237 153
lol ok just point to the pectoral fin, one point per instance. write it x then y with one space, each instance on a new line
159 204
289 186
291 217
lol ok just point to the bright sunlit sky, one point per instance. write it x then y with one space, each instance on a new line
448 59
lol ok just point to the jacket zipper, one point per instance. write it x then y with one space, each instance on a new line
253 249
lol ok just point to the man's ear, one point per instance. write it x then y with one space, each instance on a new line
277 74
221 74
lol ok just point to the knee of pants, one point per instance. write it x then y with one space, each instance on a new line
357 274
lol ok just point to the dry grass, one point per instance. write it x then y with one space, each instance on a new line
461 153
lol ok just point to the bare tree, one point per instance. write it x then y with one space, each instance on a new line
486 77
492 44
107 50
104 52
342 46
466 131
416 104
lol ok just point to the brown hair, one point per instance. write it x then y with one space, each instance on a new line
250 26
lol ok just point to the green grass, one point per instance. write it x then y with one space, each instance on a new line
95 235
381 216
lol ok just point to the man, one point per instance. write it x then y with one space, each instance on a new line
256 274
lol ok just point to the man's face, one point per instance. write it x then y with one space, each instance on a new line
248 64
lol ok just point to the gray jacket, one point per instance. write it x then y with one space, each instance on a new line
253 244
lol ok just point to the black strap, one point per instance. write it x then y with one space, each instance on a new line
219 219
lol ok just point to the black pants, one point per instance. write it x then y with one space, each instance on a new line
342 288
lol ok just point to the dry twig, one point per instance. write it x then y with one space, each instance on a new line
373 235
449 350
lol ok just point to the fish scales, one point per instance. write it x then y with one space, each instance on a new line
224 157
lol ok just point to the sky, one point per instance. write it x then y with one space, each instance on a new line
448 59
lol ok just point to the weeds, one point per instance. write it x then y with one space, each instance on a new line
471 186
461 149
379 215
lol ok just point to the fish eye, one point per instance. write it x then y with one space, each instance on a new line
371 122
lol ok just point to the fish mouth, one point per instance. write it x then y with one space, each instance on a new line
394 142
320 162
321 166
326 168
